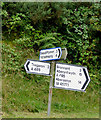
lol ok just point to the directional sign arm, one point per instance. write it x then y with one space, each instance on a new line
37 67
50 54
71 77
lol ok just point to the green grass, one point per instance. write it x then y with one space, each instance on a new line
52 115
29 98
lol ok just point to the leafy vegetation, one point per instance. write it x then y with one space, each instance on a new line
28 28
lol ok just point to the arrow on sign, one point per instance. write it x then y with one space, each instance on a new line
27 65
71 77
50 54
87 79
37 67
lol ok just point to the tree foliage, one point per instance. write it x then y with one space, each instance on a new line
76 26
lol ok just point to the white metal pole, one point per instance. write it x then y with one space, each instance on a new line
50 88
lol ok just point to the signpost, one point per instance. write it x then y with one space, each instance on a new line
71 77
50 88
50 54
37 67
67 76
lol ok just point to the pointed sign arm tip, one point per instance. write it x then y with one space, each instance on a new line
87 79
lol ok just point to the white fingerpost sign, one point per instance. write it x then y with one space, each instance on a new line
37 67
50 54
71 77
67 76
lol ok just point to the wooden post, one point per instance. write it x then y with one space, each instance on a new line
50 88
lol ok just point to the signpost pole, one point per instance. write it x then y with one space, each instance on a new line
50 88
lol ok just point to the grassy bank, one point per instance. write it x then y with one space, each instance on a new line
29 98
43 114
26 95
